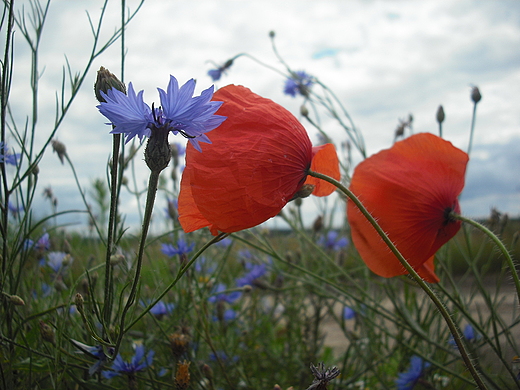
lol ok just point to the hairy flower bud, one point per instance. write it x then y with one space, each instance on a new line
440 114
158 152
105 81
59 148
47 333
16 300
475 95
78 300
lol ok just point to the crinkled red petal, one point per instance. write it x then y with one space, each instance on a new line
409 189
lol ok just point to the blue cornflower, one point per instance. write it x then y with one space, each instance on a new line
160 309
217 73
43 243
348 313
182 248
256 271
58 261
408 379
224 243
298 83
6 157
14 210
469 335
223 357
180 112
332 242
138 363
95 352
218 296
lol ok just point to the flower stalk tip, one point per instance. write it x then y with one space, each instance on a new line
104 82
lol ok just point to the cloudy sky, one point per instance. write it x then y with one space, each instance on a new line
383 59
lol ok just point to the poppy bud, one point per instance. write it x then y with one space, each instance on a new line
475 95
116 259
304 111
105 81
59 148
440 114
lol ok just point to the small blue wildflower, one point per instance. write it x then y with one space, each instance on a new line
224 243
299 83
408 379
256 271
332 242
160 309
218 296
14 210
95 352
180 112
227 315
182 248
217 73
138 363
469 335
348 313
58 261
6 157
43 244
223 357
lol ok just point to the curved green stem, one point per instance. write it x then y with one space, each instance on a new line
150 200
181 272
438 303
107 308
499 244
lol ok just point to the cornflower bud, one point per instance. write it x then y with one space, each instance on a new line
304 191
158 154
116 259
105 81
179 343
318 224
79 301
47 333
207 371
304 111
16 300
59 148
440 114
475 95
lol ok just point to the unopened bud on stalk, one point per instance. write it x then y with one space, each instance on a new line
105 81
35 170
79 301
116 259
304 111
59 148
475 95
440 114
16 300
207 371
47 333
318 224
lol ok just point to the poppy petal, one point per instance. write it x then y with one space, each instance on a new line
325 161
409 189
256 162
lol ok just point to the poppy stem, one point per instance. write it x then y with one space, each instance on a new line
498 243
435 299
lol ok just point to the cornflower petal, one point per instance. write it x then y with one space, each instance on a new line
410 189
129 114
258 160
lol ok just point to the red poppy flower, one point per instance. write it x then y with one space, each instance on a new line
410 189
257 161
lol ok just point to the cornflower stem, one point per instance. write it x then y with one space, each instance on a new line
472 130
440 129
181 272
438 303
498 243
109 292
150 200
